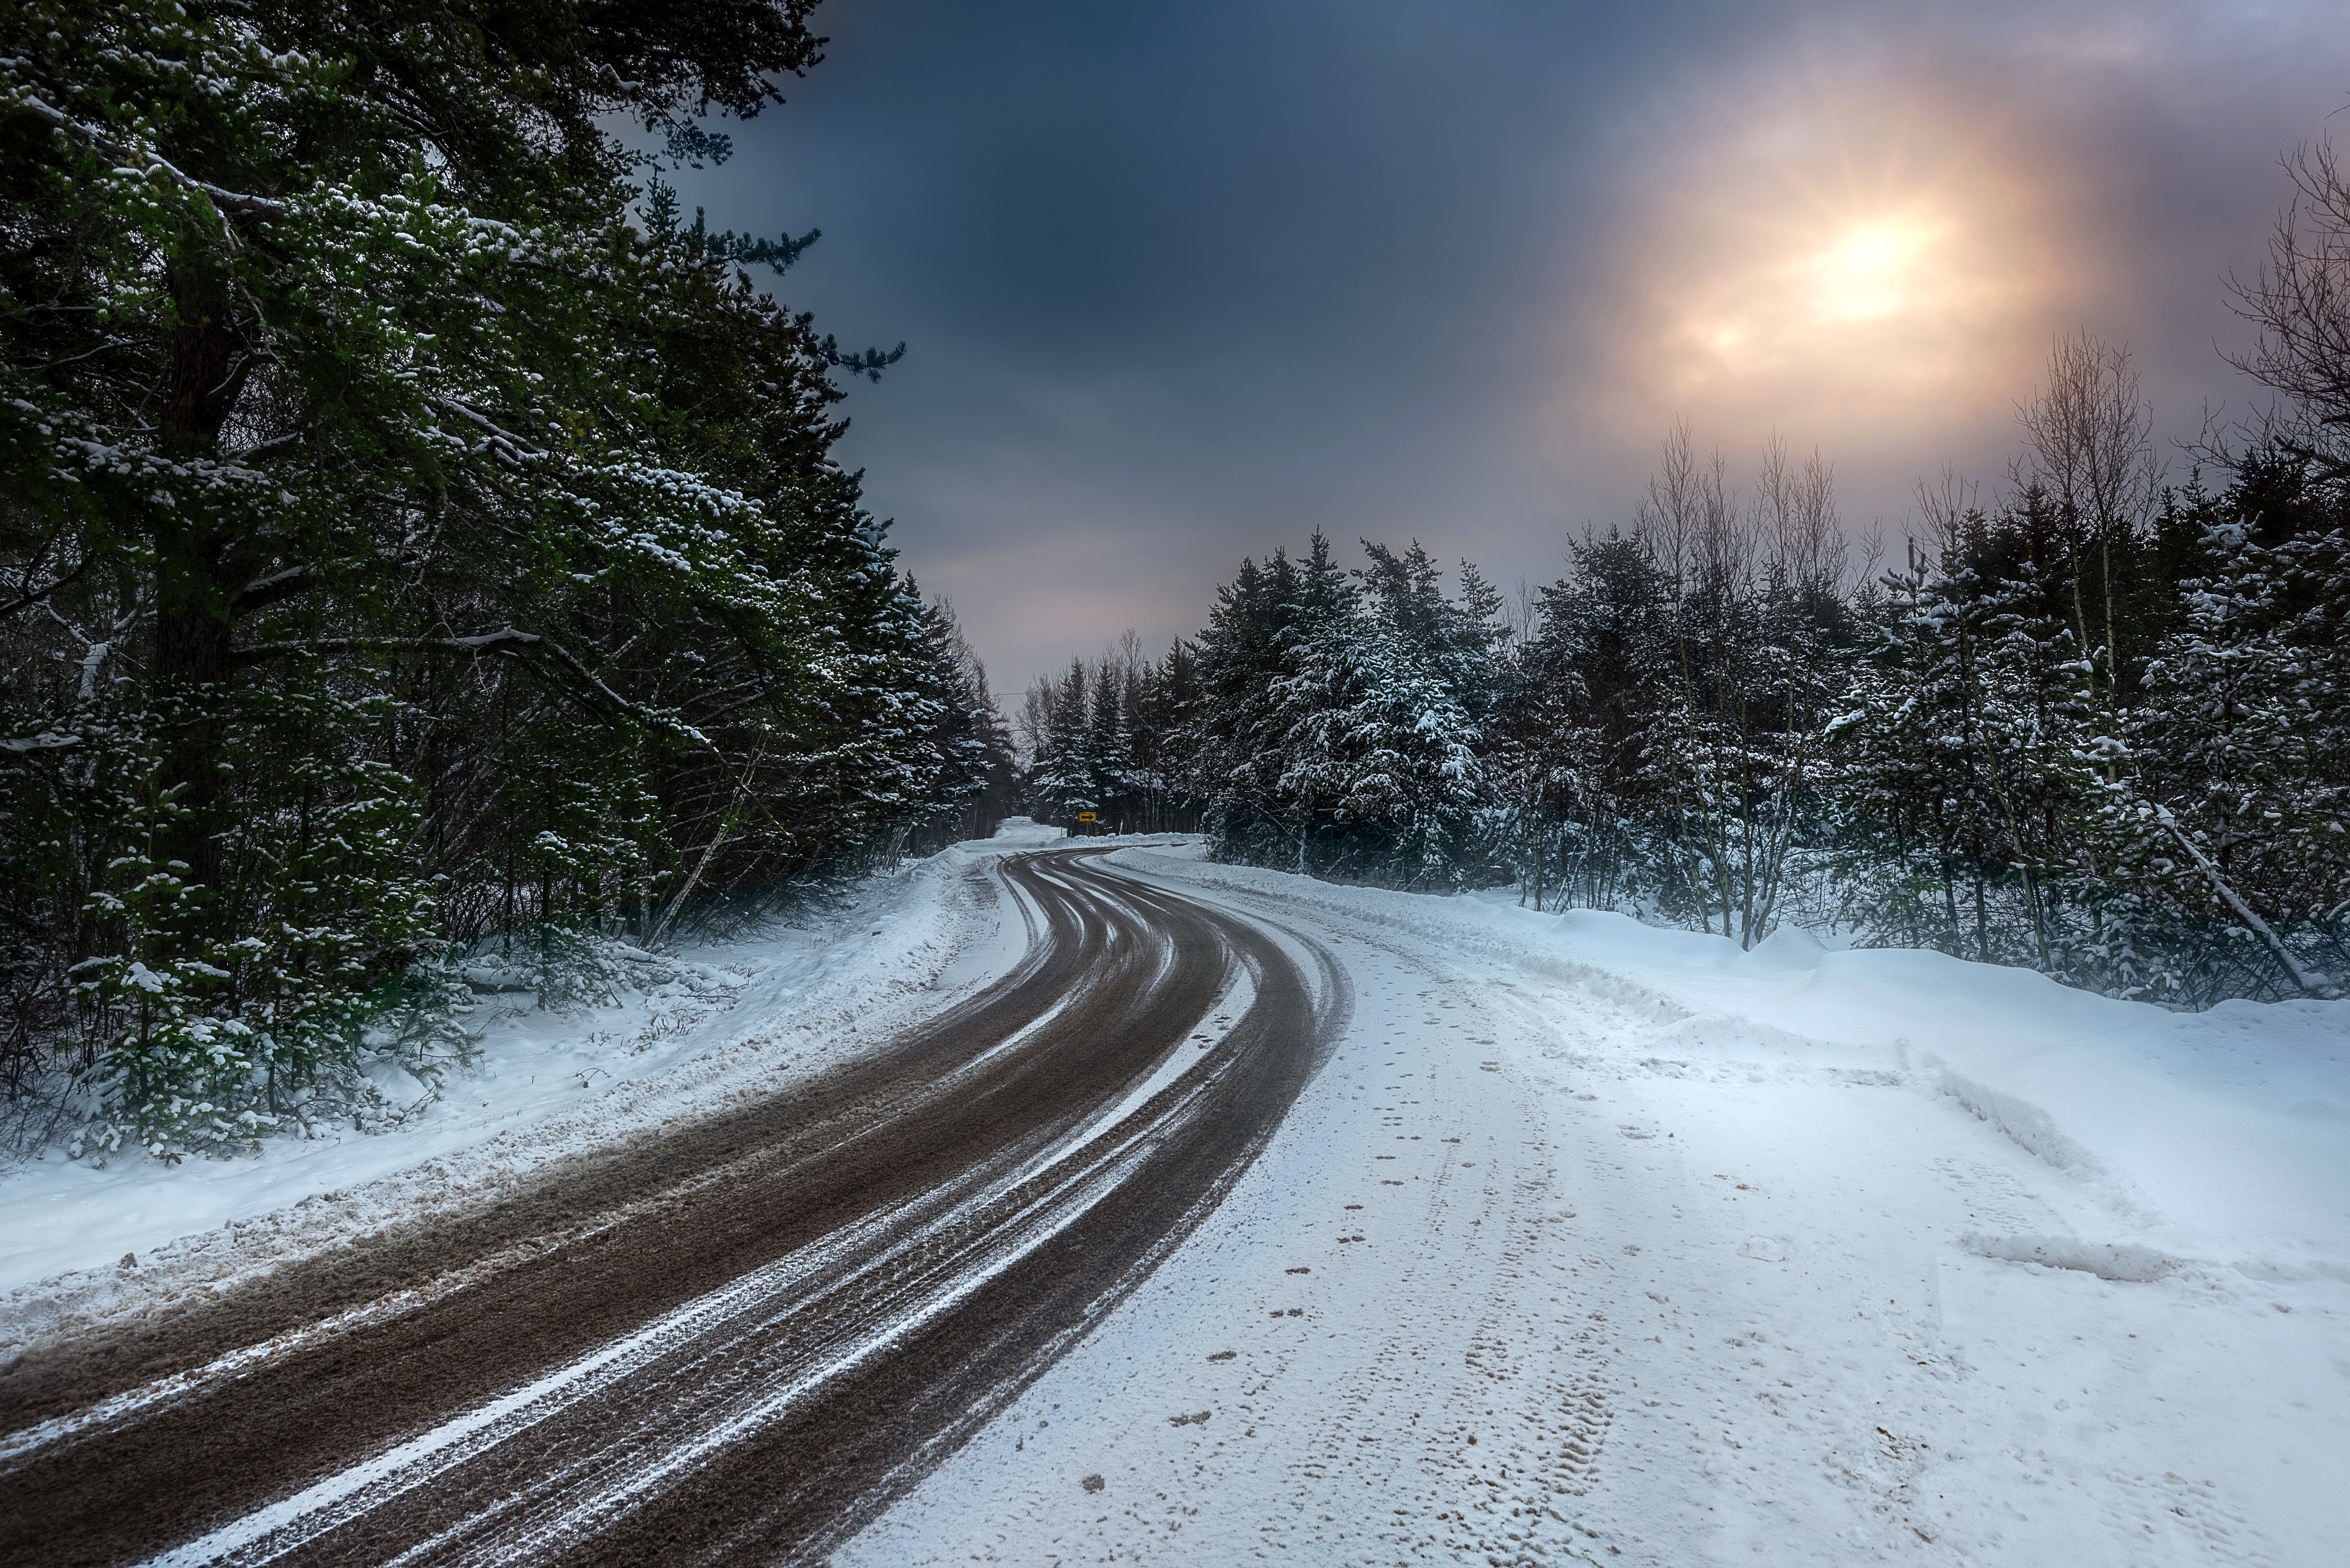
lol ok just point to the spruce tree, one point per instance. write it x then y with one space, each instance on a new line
410 536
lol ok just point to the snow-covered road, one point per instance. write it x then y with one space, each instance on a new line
1582 1247
733 1340
1587 1241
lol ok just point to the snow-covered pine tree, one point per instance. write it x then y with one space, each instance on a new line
1921 814
1060 783
1575 707
2237 807
1110 744
970 789
1416 684
2038 718
407 539
1336 725
1168 694
1232 740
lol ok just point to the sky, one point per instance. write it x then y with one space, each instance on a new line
1180 283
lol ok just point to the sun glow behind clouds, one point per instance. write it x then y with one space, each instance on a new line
1854 270
1878 267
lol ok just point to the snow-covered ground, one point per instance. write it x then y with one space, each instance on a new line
84 1240
1596 1241
1591 1242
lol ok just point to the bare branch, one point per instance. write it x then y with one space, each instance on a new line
2091 438
506 640
2301 299
30 597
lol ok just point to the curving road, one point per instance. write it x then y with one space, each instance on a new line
736 1344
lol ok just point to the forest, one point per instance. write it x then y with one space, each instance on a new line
420 545
413 532
2089 722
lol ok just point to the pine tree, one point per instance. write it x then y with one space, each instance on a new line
1061 781
1234 742
1109 749
1344 714
1913 767
409 539
1574 708
2239 800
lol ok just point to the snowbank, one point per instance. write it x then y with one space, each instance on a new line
82 1238
2226 1132
2222 1137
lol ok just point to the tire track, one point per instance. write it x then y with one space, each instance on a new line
743 1340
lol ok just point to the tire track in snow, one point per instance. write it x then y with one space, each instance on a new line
1459 1418
768 1330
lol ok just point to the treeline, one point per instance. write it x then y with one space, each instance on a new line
2114 752
2090 722
1105 739
410 528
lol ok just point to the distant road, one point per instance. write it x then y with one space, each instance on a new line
737 1343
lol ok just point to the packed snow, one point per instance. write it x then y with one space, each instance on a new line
1591 1242
1596 1241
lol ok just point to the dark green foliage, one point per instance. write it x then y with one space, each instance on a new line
401 537
1108 738
1337 720
1710 719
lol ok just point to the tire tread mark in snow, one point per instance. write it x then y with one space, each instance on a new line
1119 973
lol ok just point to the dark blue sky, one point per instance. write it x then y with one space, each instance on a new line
1183 283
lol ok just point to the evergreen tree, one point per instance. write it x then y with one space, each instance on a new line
1108 748
1914 768
1234 739
407 539
1575 709
2239 800
1344 712
1061 781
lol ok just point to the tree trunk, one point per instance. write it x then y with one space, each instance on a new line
199 569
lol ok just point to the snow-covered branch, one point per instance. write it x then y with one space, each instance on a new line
227 201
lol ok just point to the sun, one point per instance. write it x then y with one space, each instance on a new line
1841 262
1830 294
1872 269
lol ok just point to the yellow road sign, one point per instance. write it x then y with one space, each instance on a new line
1087 817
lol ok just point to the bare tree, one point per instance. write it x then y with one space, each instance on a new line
2301 303
2092 452
1521 613
1797 524
1746 585
1033 721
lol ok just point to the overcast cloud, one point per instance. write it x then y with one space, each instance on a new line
1183 283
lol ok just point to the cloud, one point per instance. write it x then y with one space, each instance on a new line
1864 233
1865 263
1183 284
